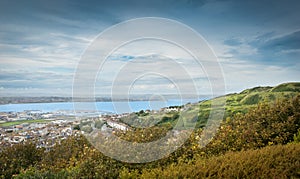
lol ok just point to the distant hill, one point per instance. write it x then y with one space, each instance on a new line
292 87
257 89
263 94
243 101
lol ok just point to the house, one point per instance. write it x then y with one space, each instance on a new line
116 125
3 117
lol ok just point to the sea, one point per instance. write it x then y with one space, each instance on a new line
111 107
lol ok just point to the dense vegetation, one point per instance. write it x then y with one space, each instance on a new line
257 139
270 162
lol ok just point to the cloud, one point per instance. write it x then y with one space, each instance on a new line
269 48
152 73
233 42
286 42
41 42
40 79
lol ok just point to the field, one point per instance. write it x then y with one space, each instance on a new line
12 123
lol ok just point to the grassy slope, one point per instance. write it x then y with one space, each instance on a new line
242 102
234 103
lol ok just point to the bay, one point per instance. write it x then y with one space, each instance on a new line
103 107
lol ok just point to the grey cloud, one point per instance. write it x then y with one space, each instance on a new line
270 48
260 39
18 79
5 76
287 42
232 42
61 30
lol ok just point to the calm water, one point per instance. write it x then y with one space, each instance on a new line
106 107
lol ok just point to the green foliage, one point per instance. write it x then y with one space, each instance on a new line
76 127
293 87
297 137
257 89
242 102
99 124
144 134
15 159
271 162
267 124
87 129
235 103
142 113
169 117
251 99
32 173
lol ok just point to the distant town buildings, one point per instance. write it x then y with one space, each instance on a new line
48 128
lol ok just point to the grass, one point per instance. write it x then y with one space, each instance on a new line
12 123
234 103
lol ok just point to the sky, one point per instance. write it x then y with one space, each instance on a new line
257 43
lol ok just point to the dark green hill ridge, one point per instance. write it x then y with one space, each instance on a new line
243 101
200 112
293 87
257 95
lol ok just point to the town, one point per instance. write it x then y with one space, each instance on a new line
48 128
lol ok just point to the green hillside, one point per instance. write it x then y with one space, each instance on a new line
293 87
234 104
241 102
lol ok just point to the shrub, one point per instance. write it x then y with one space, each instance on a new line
267 124
19 157
270 162
297 137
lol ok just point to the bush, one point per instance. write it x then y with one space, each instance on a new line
297 137
267 124
19 157
270 162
